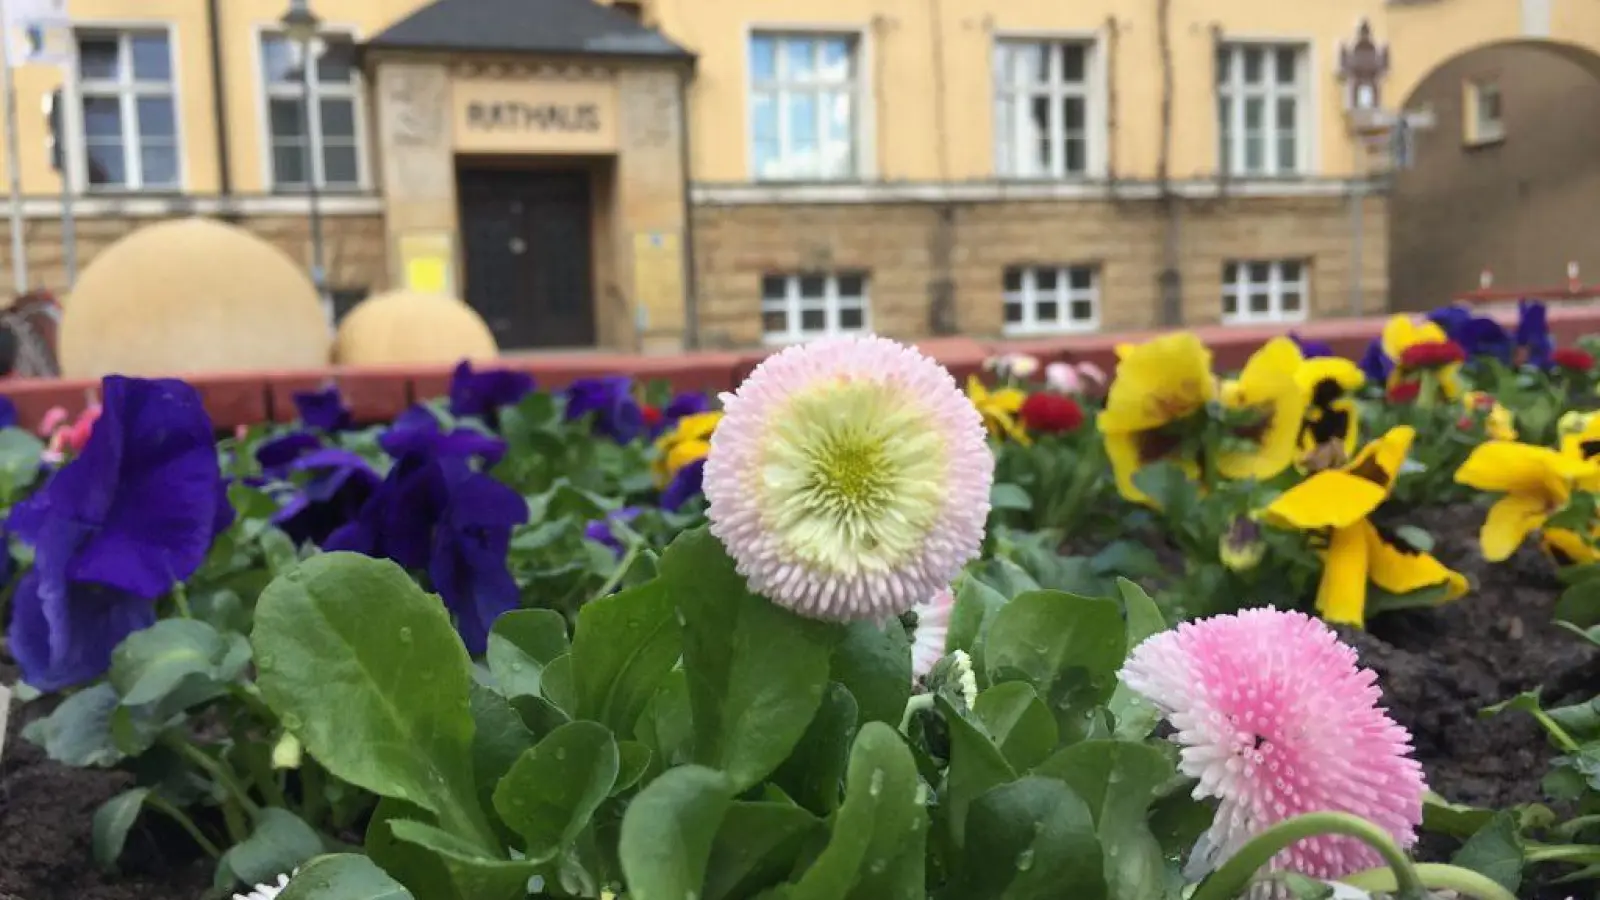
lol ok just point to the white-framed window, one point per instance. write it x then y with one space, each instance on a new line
1051 299
128 110
805 119
800 307
1044 108
325 145
1264 291
1484 120
1263 114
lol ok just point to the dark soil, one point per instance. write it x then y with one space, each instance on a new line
1438 667
46 812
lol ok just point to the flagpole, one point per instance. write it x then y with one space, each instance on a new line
19 248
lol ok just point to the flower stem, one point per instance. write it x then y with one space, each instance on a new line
917 703
219 772
1435 877
180 599
621 571
1231 879
160 805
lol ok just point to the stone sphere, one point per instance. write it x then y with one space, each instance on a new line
408 328
191 295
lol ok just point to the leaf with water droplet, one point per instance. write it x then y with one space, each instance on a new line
473 873
976 765
758 845
1068 647
622 648
668 831
1019 722
871 825
1118 780
521 643
551 792
1135 718
1032 839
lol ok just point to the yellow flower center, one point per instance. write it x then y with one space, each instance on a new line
852 475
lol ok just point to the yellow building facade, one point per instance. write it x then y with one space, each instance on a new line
670 173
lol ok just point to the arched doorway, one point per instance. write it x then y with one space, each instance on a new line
1500 173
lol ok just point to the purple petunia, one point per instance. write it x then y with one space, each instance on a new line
1477 335
610 401
1375 363
114 529
685 404
601 530
418 430
1311 348
484 392
1533 332
339 484
323 410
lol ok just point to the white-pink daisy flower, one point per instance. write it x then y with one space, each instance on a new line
1276 721
933 628
849 478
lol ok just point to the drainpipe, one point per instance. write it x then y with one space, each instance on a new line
691 300
1171 280
219 110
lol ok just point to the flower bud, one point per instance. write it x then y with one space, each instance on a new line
1242 548
287 752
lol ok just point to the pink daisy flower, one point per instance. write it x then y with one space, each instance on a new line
1276 721
933 629
849 478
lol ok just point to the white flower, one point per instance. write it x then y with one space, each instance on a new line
267 891
967 680
933 628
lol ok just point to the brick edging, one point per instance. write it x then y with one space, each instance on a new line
379 393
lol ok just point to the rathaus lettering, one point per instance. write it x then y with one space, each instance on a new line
533 117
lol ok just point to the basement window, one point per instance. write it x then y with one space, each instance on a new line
1483 116
1255 291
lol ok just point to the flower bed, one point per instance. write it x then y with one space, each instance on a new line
854 630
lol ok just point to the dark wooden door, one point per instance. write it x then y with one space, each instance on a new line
529 270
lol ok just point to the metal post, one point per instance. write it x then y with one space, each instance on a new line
19 247
319 273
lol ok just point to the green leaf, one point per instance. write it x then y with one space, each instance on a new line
976 765
756 671
1127 559
278 844
1068 647
623 646
499 738
1495 852
344 876
1454 819
474 874
814 773
150 664
1580 603
883 812
874 663
669 830
558 688
553 790
1416 537
366 670
1020 724
1172 491
976 606
424 874
665 726
1009 496
756 848
521 643
19 461
112 821
1118 781
78 732
1032 839
633 760
1135 717
1006 577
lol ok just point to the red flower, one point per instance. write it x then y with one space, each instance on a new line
1432 355
1405 392
1465 423
1573 359
1051 413
652 416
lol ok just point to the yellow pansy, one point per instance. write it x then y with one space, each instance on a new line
1158 384
999 409
687 442
1568 548
1498 422
1269 390
1332 418
1401 333
1337 504
1536 483
1574 421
